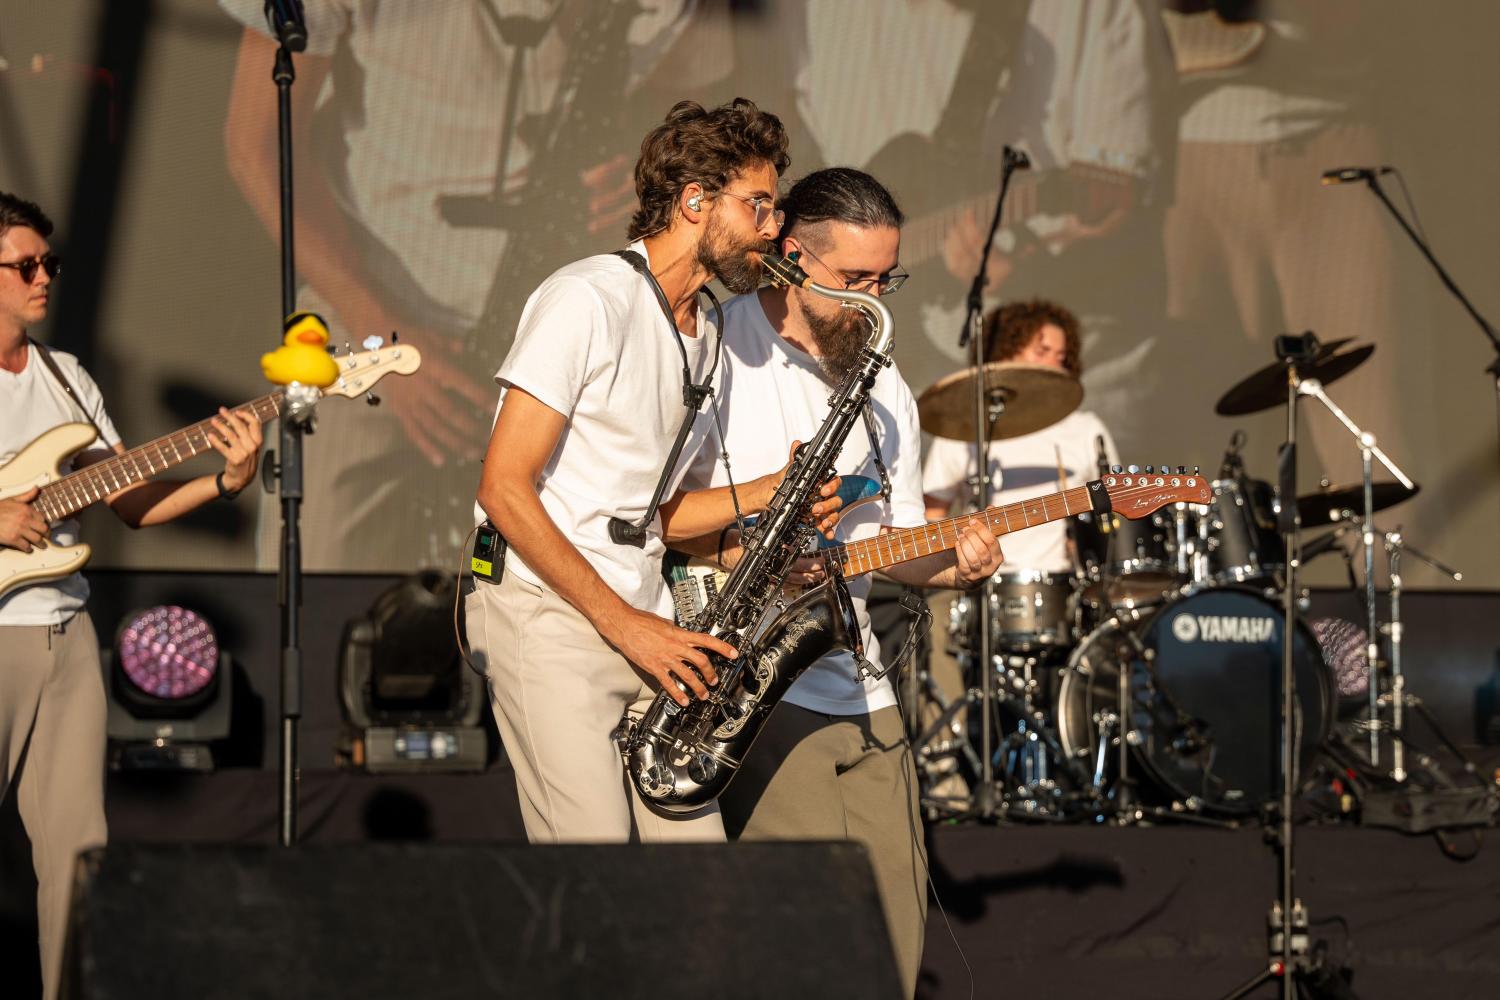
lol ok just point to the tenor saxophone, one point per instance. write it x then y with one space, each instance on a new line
682 757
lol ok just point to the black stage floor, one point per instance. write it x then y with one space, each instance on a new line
1067 911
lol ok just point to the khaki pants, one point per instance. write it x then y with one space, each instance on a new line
826 777
52 736
559 693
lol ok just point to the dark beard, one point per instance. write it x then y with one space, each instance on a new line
729 261
839 339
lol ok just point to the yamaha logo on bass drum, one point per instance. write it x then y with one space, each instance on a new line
1224 628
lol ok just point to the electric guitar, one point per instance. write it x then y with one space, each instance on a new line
1132 495
61 496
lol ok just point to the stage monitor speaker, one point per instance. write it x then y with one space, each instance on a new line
425 921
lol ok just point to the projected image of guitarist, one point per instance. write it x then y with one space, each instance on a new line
51 688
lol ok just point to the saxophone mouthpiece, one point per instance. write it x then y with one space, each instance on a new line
784 270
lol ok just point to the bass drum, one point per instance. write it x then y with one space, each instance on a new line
1204 685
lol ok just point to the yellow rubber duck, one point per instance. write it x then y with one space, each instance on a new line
303 356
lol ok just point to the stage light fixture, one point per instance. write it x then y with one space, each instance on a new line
410 703
168 689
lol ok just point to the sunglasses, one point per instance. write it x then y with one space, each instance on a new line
51 263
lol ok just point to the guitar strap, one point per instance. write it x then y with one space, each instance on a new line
47 359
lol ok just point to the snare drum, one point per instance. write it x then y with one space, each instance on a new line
1029 610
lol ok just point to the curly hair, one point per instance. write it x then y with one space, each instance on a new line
1010 328
706 147
17 211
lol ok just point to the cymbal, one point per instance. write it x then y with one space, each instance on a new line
1265 389
1319 508
1034 397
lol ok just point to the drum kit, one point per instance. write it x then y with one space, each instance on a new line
1145 684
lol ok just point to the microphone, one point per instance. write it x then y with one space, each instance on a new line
1344 175
1232 461
1015 159
286 18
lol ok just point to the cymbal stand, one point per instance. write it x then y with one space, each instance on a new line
1369 452
1289 957
1397 698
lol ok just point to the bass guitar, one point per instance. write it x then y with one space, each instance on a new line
61 496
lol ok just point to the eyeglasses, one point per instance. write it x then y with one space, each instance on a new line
885 284
51 263
765 209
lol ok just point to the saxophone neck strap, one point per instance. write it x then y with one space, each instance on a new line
623 532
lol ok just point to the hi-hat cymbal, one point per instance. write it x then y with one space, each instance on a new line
1266 389
1322 507
1019 399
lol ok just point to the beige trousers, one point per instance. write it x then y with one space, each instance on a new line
559 693
828 777
52 717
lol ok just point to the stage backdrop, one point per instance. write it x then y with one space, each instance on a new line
451 153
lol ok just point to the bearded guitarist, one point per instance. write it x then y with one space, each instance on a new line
52 708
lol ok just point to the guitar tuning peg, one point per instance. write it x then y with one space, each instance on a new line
348 347
1132 469
1182 470
395 336
372 399
1195 470
371 343
1117 469
1150 470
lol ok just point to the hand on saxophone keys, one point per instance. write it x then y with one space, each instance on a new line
824 513
677 658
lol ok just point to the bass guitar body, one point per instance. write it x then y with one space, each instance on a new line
38 464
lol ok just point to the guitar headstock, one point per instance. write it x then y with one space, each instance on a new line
358 372
1135 494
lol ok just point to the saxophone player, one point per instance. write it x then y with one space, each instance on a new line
573 627
832 761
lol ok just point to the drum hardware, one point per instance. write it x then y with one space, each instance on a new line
1394 697
1302 365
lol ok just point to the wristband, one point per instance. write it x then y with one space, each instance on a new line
223 493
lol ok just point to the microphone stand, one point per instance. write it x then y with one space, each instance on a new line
294 423
972 336
1372 179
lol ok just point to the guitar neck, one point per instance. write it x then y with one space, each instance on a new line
75 491
905 544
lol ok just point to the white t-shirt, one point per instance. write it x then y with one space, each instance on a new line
31 403
773 395
1021 468
594 346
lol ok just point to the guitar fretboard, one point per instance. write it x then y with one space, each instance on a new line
904 544
60 500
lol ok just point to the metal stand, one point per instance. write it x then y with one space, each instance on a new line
1373 180
1287 921
294 422
1369 452
972 336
